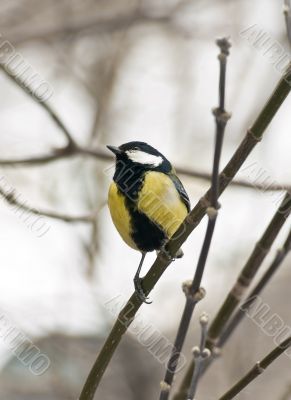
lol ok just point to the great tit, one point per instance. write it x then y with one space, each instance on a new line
146 199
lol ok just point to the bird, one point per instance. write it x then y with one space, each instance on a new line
147 201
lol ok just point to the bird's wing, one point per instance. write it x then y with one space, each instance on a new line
162 202
182 192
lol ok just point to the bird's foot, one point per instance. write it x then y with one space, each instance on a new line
139 290
166 252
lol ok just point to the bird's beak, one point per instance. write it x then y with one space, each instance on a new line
115 150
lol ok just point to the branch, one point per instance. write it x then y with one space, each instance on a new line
193 290
239 315
249 271
287 14
58 154
200 355
247 303
30 92
221 328
38 160
101 155
237 183
11 199
127 314
257 370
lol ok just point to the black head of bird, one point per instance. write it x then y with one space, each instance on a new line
147 201
140 157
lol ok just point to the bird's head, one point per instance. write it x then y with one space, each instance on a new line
141 156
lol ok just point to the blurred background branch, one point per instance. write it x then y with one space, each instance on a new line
11 199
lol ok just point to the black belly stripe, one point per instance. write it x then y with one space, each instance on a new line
147 235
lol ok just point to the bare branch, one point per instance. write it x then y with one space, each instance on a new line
200 355
11 199
29 91
249 271
193 289
36 160
247 303
101 155
257 370
238 316
287 14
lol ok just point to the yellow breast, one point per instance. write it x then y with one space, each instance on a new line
119 214
161 202
158 199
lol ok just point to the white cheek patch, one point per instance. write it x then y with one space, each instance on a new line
141 157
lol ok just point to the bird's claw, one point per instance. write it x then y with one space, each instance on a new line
139 291
169 257
167 254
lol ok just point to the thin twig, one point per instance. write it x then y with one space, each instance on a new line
247 303
219 330
127 314
287 14
200 354
12 199
281 254
236 183
249 271
251 298
193 289
57 155
257 370
102 155
29 91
